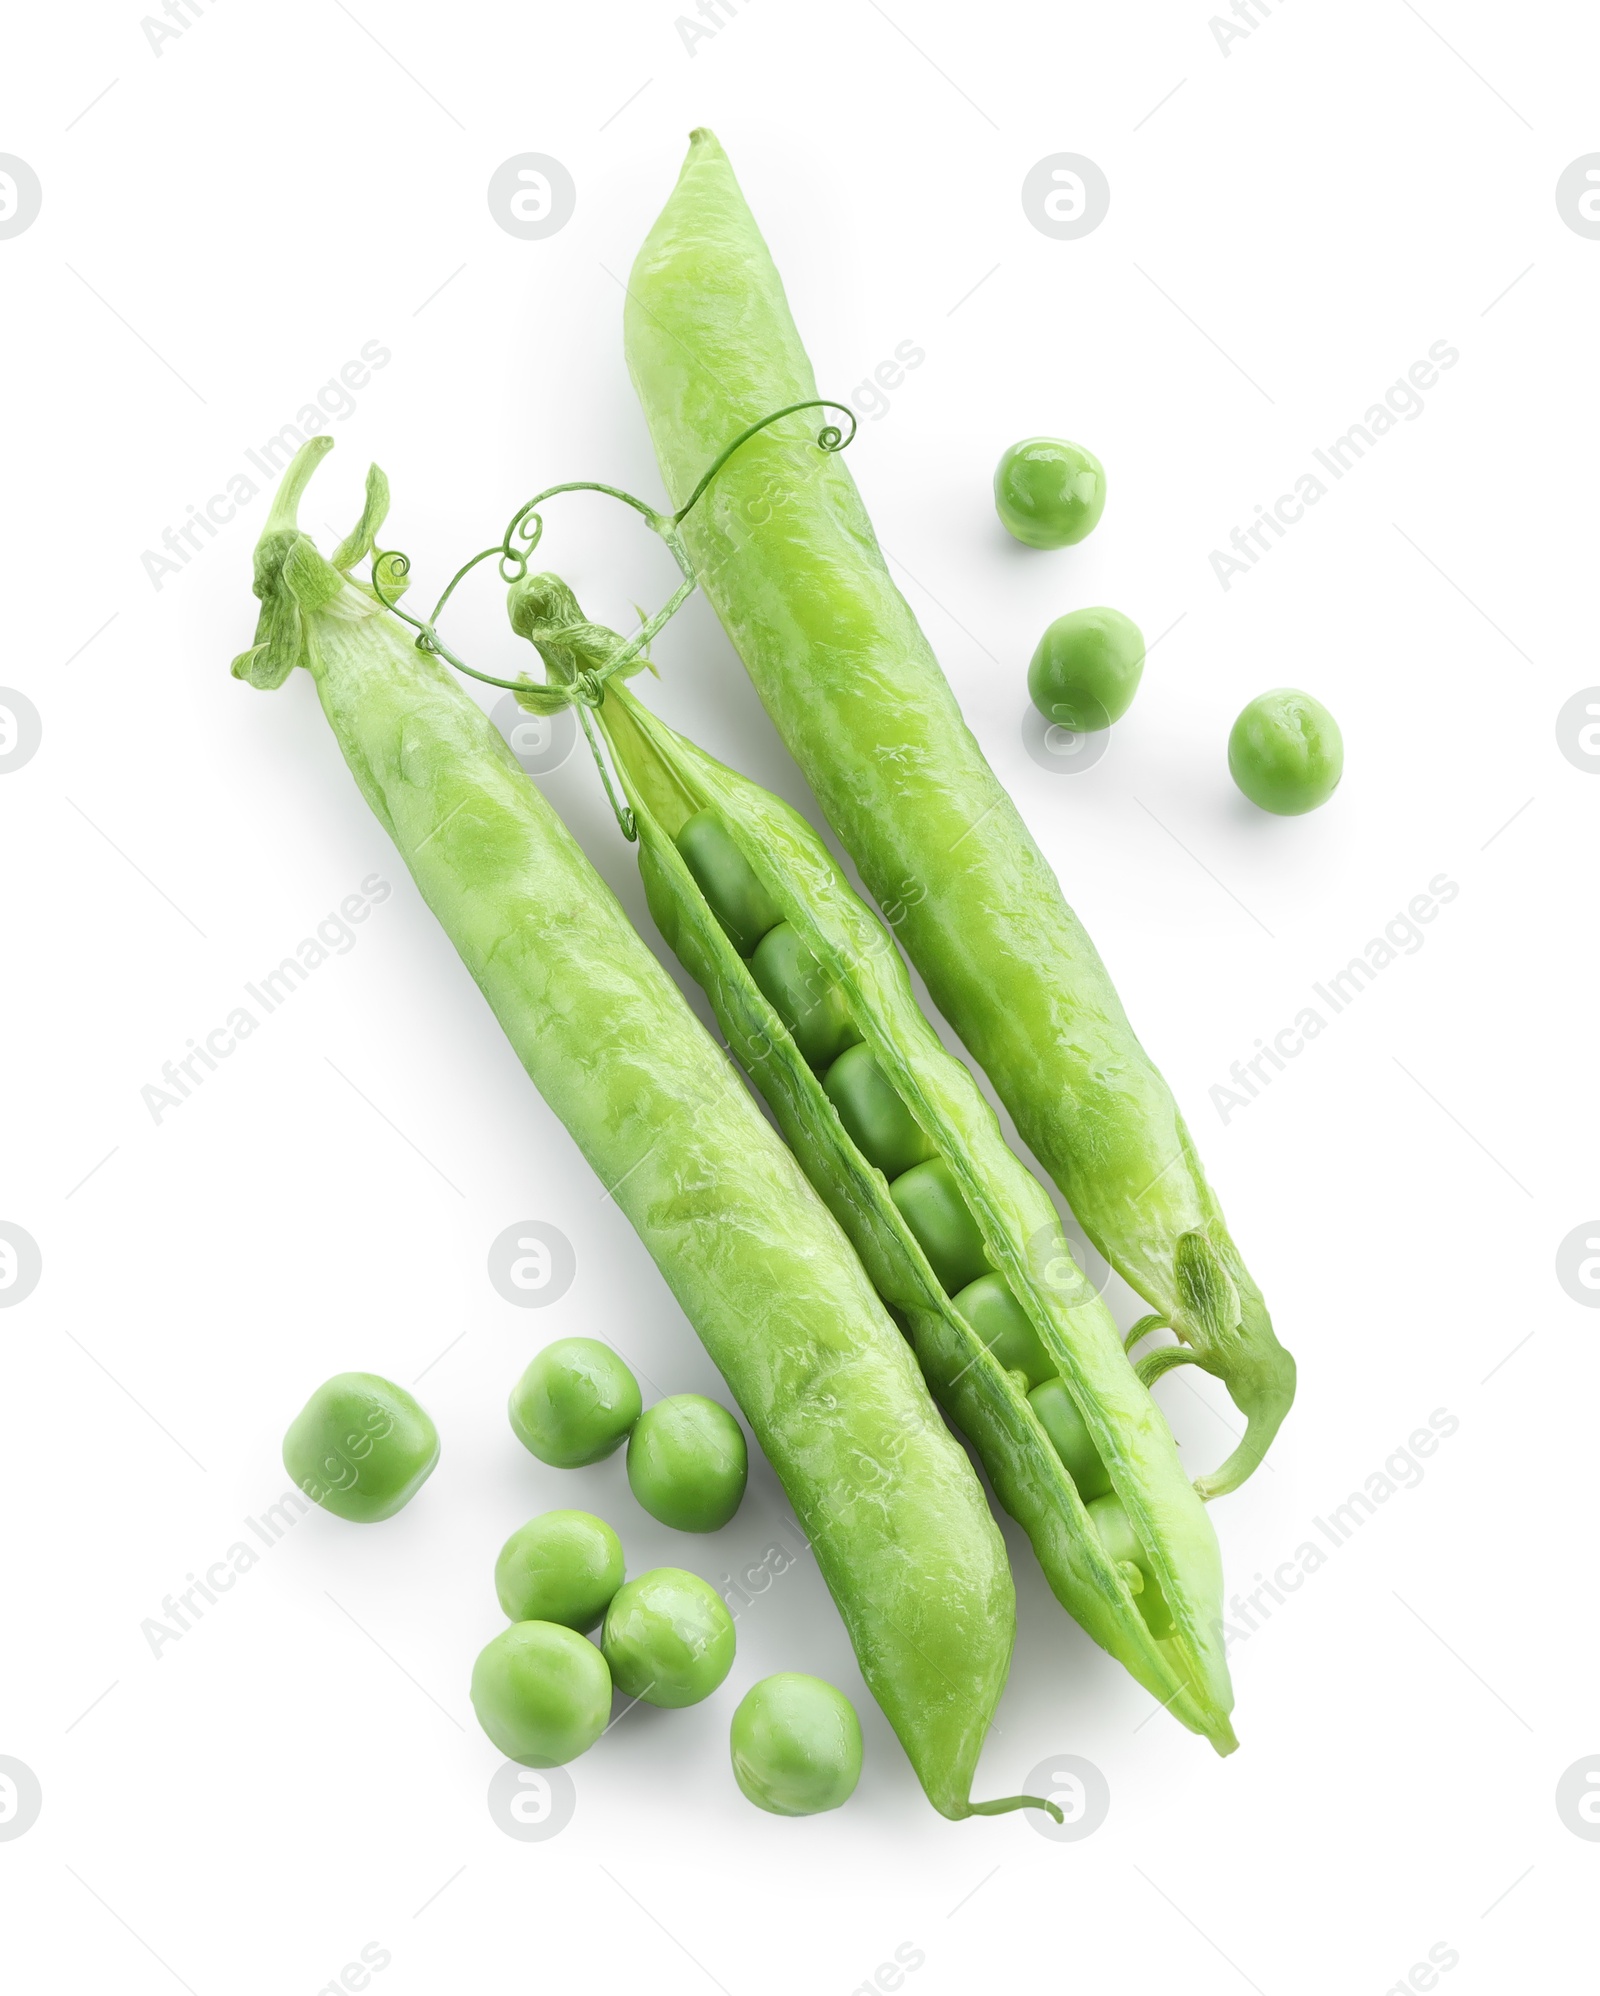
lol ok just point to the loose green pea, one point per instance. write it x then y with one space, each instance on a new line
1049 493
575 1403
796 1745
1121 1541
564 1566
688 1463
932 1207
1000 1320
542 1693
877 1122
727 880
361 1447
797 988
1286 752
1070 1437
1086 669
668 1638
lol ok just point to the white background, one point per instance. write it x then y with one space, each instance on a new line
1292 224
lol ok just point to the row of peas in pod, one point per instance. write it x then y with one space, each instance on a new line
816 1014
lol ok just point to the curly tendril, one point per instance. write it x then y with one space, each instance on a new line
829 438
583 686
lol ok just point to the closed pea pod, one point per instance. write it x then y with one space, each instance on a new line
891 1508
788 558
972 1216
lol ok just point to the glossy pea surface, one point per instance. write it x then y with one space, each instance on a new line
564 1566
1118 1537
1000 1320
575 1403
668 1638
796 1745
877 1121
688 1463
1070 1437
1086 669
542 1693
798 990
727 880
361 1447
1286 752
932 1207
1049 493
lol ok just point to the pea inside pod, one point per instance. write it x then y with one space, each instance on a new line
799 991
1000 1320
1069 1434
880 1125
930 1201
728 881
1118 1537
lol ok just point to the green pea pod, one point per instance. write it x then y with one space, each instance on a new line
892 1508
668 782
786 553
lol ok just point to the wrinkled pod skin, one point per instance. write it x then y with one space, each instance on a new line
892 1509
786 553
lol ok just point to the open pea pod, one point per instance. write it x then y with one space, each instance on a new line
669 781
